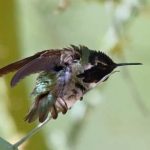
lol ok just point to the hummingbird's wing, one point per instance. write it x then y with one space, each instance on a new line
42 61
18 64
48 60
47 64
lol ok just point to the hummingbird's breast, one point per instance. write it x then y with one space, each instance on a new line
73 89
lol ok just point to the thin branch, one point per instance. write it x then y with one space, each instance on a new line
31 133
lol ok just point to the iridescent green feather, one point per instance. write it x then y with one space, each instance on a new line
44 99
44 83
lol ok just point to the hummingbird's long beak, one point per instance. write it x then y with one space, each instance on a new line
126 64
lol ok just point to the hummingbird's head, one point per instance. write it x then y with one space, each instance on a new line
101 66
98 64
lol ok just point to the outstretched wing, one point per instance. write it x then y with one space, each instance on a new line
37 65
18 64
42 61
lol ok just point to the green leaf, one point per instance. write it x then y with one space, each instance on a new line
4 145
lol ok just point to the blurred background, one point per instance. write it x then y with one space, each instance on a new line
115 115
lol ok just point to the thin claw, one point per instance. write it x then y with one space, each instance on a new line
54 112
62 105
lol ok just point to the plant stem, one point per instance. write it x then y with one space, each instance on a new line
31 133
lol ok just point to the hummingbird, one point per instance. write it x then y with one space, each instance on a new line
65 76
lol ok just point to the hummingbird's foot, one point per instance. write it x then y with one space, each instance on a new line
62 105
54 112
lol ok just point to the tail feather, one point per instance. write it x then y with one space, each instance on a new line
32 115
40 109
43 116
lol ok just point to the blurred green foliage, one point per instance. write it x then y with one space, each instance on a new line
110 116
4 145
